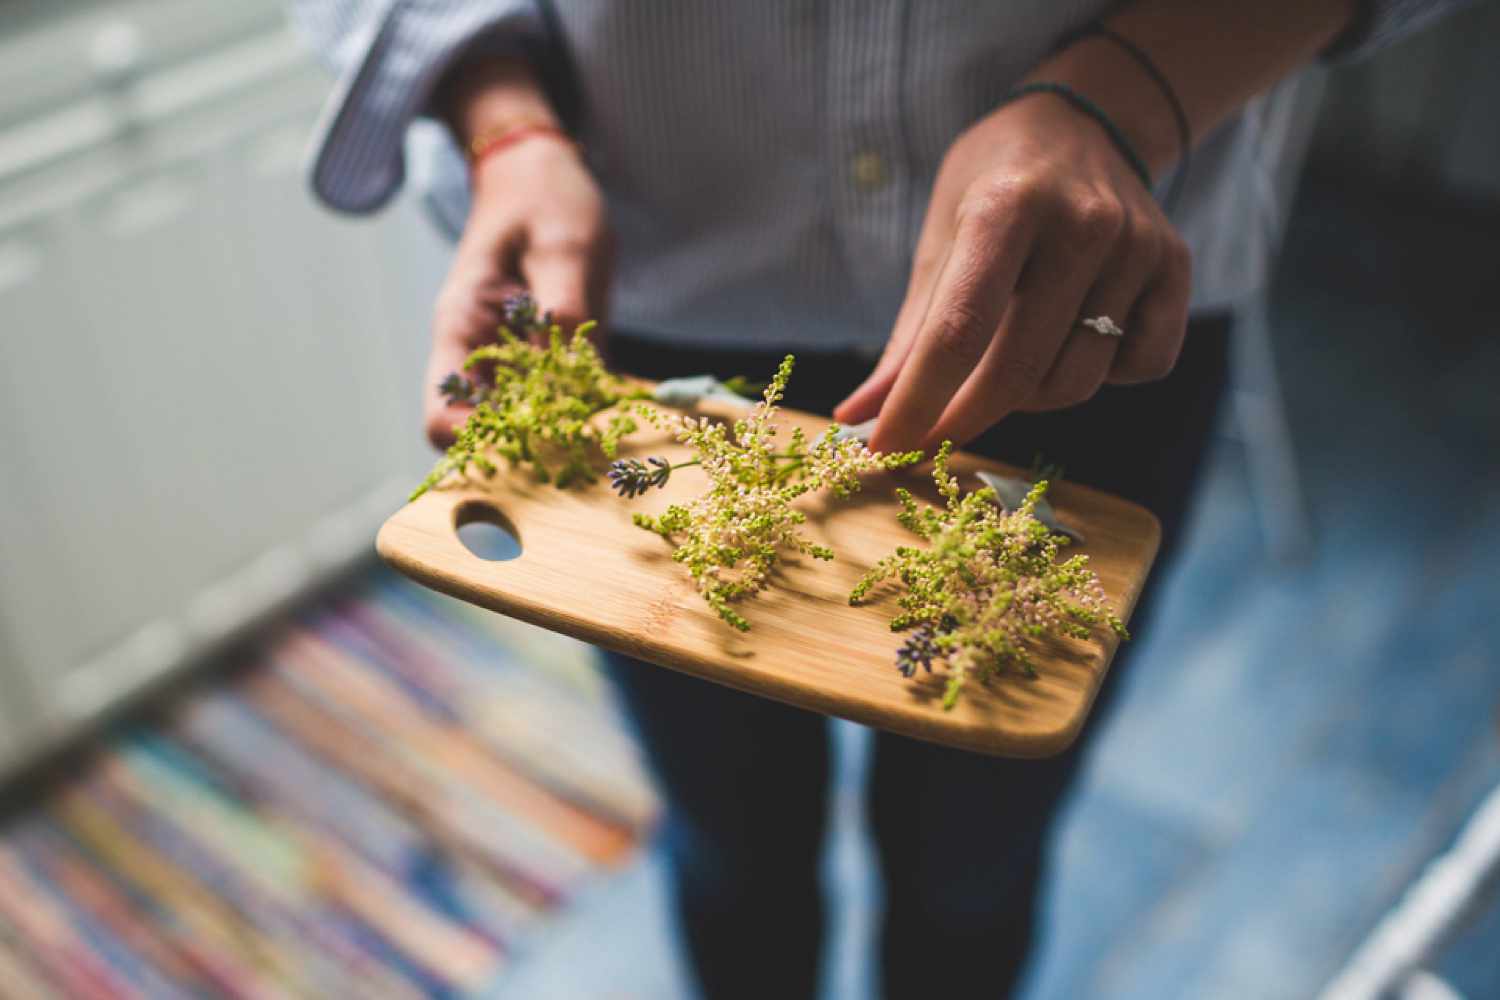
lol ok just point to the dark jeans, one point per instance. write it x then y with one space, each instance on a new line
959 835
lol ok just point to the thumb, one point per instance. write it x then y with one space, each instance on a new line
441 419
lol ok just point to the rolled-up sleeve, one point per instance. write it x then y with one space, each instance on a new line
1380 22
389 55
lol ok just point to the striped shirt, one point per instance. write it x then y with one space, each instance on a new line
766 164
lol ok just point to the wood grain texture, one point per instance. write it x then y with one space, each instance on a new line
585 570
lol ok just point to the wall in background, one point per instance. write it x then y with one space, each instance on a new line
208 385
1423 113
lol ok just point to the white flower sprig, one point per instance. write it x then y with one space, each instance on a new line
731 536
986 583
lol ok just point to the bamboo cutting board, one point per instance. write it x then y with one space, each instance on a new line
585 570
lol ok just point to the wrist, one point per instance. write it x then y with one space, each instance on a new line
521 160
502 135
484 94
1110 78
1082 109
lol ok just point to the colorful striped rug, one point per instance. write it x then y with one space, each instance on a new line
382 803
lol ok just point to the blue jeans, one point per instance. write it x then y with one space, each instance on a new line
960 836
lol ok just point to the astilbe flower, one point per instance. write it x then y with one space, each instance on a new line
731 536
532 404
986 584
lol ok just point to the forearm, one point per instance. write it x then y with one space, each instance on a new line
1217 55
537 221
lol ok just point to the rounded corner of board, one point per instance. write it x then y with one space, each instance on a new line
1040 746
390 545
385 543
1154 525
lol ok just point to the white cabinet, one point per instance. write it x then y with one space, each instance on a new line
207 395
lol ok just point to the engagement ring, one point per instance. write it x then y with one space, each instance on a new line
1104 325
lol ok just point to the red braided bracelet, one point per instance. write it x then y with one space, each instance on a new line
500 137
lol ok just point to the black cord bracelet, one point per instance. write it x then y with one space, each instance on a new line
1088 107
1184 132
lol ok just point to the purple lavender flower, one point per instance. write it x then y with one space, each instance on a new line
460 389
518 313
922 647
632 477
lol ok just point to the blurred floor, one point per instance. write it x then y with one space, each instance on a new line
386 801
1295 744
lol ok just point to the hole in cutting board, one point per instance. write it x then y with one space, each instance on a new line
486 532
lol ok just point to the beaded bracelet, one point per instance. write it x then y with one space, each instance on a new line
1088 107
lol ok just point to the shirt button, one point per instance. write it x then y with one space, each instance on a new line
867 171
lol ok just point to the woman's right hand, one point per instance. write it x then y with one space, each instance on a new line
538 223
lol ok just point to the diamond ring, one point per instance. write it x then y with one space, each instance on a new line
1104 325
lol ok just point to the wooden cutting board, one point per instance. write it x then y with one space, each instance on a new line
586 571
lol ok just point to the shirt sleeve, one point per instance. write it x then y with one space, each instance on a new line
1377 23
389 55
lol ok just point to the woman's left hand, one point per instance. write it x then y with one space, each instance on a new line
1036 222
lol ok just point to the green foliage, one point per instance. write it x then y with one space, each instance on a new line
730 537
537 405
986 583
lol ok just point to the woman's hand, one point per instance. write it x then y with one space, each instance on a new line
1036 221
538 223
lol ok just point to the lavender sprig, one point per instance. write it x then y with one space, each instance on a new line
922 648
458 389
918 651
632 477
519 312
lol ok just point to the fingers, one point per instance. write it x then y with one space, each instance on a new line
1076 374
457 330
569 278
1021 356
442 424
1154 338
1000 332
960 377
559 281
466 316
991 244
1087 356
538 224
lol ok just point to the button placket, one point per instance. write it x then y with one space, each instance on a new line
864 107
